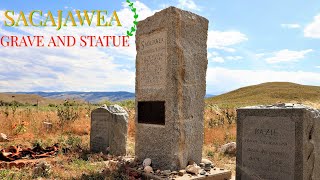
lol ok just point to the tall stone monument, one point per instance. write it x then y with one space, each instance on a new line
279 142
109 127
171 67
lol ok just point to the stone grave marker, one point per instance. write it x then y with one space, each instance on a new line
278 142
171 66
109 126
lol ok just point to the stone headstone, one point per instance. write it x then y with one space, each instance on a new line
279 142
171 66
109 126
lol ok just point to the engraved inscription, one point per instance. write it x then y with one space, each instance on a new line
100 126
268 148
152 60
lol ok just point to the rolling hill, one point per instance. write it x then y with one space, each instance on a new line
93 97
268 93
31 99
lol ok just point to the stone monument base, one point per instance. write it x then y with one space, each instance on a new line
214 174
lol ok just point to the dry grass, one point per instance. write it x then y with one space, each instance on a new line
313 104
24 126
267 93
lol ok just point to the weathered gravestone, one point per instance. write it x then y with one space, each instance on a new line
109 126
278 143
171 66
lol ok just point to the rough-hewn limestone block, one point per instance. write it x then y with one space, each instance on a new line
171 69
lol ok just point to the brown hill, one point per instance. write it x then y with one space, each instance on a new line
268 93
28 99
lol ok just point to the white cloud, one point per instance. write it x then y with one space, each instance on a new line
212 54
259 55
217 59
188 4
287 56
312 30
75 68
291 26
235 58
317 66
220 80
224 39
27 69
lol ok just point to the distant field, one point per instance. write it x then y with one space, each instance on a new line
268 93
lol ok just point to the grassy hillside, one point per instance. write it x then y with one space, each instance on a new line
268 93
28 99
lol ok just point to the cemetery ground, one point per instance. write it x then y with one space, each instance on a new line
24 126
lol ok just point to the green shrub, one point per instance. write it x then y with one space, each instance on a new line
210 153
67 113
127 103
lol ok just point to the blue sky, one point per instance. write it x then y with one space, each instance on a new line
249 42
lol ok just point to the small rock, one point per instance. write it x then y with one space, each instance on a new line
203 173
43 169
207 166
3 137
158 171
174 172
166 172
193 169
146 162
206 161
201 165
230 149
148 169
181 172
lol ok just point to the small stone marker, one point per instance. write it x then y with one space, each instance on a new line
109 126
170 88
279 142
47 126
3 137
